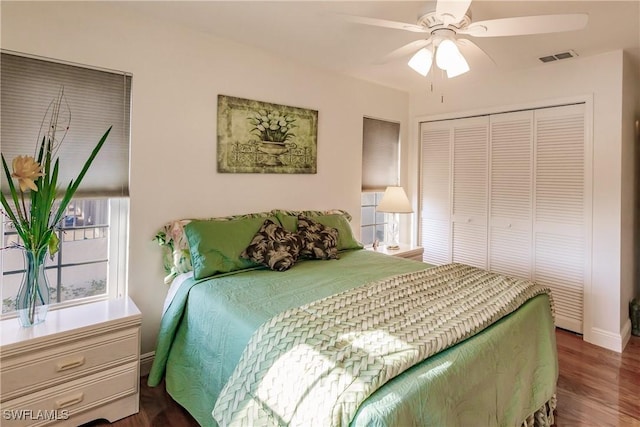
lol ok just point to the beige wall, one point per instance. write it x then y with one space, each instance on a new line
599 78
177 75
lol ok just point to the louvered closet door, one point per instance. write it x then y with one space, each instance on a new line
510 193
561 218
469 207
435 216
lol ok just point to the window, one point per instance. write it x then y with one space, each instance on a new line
91 262
372 223
86 261
380 168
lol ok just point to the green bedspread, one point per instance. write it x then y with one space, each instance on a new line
508 371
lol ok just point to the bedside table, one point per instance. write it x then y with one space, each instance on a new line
405 251
81 364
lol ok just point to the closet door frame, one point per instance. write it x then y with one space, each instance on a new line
587 100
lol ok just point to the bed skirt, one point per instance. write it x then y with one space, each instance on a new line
543 417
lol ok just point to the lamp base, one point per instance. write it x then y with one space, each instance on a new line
392 241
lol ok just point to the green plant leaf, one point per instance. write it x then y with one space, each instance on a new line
54 244
14 193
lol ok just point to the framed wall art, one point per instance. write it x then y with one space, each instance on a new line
260 137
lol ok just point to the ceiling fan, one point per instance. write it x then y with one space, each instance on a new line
452 18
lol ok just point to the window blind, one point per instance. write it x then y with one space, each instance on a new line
96 100
380 154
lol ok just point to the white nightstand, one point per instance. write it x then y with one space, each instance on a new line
405 251
81 364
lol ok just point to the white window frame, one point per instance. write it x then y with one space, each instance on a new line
117 262
117 278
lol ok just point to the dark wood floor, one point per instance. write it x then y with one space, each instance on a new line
597 387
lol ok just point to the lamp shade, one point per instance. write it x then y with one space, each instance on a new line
457 65
447 50
394 200
421 61
449 58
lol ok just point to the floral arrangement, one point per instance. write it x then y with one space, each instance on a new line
271 126
38 181
36 222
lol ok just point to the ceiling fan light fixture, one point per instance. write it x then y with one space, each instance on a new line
421 61
449 58
446 53
457 67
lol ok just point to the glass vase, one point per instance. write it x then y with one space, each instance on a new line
32 302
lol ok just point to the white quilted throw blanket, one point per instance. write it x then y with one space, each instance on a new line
314 365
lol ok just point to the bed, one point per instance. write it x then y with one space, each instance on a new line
212 336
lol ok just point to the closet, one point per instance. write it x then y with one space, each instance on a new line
509 192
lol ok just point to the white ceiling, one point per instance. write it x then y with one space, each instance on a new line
315 32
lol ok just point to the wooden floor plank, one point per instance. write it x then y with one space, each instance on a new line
596 387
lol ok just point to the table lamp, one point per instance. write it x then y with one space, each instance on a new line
395 202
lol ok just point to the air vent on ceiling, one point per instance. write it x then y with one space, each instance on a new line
557 56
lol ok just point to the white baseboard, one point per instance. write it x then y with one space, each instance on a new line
611 341
146 360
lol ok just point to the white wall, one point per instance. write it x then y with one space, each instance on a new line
599 77
177 75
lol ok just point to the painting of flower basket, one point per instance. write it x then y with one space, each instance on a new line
260 137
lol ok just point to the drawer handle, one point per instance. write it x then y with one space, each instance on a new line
69 364
69 401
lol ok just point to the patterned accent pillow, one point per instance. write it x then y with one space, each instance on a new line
319 241
274 247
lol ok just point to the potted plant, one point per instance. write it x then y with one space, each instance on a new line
35 210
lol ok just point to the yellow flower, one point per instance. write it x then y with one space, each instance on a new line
26 170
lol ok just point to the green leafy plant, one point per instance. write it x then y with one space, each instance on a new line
271 126
38 182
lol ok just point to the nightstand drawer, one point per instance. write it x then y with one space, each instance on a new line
64 404
50 366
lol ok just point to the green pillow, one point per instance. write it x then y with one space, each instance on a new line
175 247
290 223
215 246
289 219
346 240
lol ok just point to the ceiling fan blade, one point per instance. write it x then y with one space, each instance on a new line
385 23
452 11
476 50
524 25
405 50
